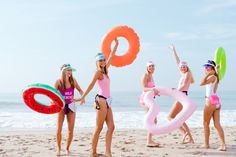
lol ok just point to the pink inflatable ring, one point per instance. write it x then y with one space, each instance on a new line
188 108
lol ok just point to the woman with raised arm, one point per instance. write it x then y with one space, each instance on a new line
184 83
102 101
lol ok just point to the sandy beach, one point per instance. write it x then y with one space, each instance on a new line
126 143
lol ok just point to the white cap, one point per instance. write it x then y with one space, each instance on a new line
149 63
183 63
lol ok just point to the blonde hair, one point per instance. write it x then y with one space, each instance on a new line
63 81
191 74
100 68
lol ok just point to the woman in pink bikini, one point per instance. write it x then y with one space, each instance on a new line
66 85
102 101
212 107
148 84
184 84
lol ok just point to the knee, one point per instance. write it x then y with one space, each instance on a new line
99 128
58 132
217 125
111 128
70 133
205 123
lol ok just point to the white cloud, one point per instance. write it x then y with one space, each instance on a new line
206 32
221 5
182 36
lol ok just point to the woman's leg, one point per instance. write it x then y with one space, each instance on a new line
150 142
101 116
188 133
216 118
110 129
176 108
60 120
71 124
208 113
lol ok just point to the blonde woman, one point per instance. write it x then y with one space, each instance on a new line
66 85
148 84
102 101
184 83
212 106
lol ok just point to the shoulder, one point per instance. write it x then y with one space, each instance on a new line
58 82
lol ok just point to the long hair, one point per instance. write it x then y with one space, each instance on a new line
102 69
216 74
191 74
63 79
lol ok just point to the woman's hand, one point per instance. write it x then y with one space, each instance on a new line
79 100
116 41
156 92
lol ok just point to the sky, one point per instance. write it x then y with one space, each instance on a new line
38 36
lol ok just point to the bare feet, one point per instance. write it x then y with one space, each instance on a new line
204 146
68 152
58 153
108 155
190 139
222 147
96 155
153 144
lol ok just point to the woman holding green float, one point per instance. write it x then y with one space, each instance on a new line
66 85
213 74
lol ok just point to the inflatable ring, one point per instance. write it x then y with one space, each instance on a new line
220 58
188 108
57 100
134 45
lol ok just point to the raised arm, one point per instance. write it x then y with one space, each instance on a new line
112 54
172 47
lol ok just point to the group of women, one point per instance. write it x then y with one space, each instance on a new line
67 83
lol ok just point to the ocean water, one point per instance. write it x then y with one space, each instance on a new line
128 113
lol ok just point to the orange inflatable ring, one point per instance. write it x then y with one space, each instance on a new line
134 45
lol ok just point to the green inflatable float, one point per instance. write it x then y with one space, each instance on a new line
220 58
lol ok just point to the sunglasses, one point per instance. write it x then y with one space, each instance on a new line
208 66
66 65
102 60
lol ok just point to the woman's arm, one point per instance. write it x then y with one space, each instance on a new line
112 54
90 87
78 87
207 80
145 88
144 83
56 84
172 47
79 90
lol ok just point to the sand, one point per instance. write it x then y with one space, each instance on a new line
126 143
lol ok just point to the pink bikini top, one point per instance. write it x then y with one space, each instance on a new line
104 86
151 83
